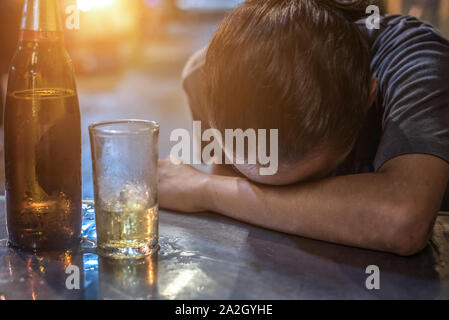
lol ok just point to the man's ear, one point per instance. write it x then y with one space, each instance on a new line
373 91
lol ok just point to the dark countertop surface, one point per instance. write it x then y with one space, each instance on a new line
206 256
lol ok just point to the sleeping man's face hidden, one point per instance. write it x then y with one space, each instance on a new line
315 167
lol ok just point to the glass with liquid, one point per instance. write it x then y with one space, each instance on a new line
124 162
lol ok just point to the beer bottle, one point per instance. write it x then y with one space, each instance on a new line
42 136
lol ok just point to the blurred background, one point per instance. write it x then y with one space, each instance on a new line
129 55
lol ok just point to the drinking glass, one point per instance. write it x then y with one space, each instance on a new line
124 163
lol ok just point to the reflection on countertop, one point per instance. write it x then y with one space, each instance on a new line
206 256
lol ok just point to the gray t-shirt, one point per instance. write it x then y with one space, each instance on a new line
411 115
410 58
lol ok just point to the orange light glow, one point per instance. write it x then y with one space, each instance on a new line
67 259
89 5
107 18
151 275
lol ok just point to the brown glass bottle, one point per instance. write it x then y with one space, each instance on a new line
42 136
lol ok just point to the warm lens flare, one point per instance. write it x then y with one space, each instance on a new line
88 5
107 18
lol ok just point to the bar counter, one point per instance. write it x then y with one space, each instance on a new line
207 256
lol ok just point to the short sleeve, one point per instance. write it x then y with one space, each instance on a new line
411 62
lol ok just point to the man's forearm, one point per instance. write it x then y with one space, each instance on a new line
360 210
393 210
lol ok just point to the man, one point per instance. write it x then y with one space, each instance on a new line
363 143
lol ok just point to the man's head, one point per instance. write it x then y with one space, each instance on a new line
299 66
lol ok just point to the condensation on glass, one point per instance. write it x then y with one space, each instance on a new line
124 162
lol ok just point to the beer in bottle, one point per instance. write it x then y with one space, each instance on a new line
42 136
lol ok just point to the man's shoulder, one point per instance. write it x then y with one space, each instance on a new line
405 50
400 28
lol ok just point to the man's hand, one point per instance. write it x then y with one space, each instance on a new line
181 187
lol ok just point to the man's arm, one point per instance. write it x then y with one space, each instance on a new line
393 210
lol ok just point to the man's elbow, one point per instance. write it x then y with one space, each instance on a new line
411 229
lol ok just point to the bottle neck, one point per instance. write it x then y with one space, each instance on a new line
41 21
